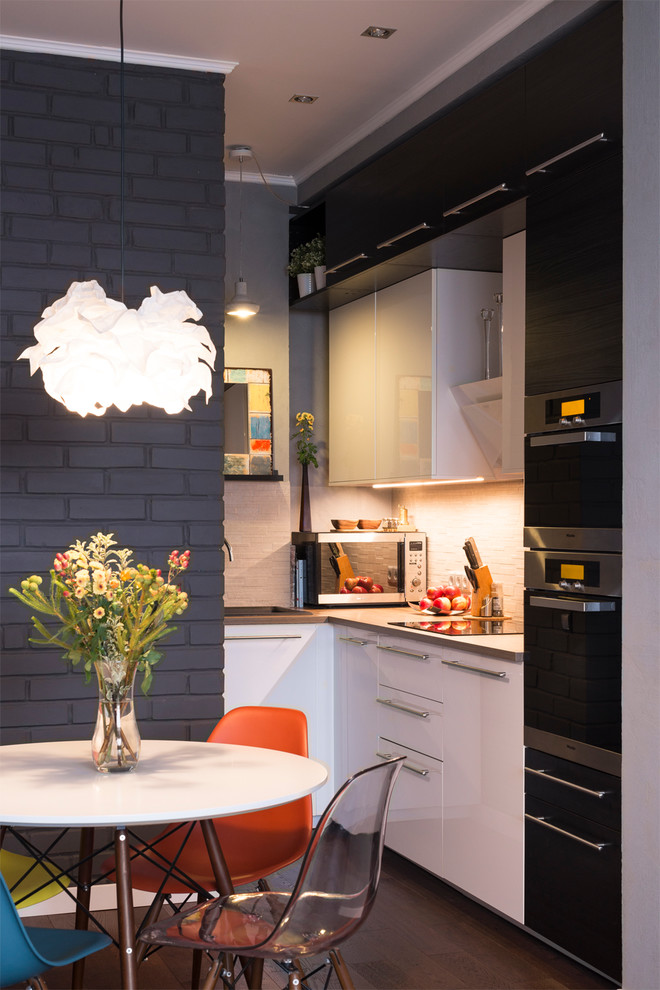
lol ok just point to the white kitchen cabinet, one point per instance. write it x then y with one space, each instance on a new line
483 824
292 666
356 692
394 357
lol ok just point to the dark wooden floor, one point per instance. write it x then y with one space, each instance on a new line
421 935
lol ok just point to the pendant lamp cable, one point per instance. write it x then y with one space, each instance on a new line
240 219
122 146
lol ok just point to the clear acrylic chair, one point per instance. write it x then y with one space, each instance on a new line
27 953
332 896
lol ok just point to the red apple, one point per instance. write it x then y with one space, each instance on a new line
366 582
460 626
344 591
350 583
442 604
459 603
377 589
450 591
442 627
358 590
433 592
425 603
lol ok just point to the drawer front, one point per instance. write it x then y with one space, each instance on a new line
413 721
414 823
573 788
409 667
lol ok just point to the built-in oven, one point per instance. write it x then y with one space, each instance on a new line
572 677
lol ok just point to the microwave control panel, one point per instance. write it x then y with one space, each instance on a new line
415 566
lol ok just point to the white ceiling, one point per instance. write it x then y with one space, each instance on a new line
282 47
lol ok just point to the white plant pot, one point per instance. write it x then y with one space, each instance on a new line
319 276
305 283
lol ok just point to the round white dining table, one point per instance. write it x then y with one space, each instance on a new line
55 784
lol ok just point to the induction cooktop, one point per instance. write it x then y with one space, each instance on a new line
463 627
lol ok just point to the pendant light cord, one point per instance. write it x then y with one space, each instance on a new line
240 219
121 151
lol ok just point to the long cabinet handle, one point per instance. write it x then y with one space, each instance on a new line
476 199
405 653
567 783
406 233
598 846
559 439
419 712
564 154
572 605
420 771
342 264
285 636
477 670
357 642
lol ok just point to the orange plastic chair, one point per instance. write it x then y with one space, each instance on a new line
255 844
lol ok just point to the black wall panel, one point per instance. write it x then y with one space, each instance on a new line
153 480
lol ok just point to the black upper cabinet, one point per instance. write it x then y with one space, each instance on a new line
573 93
350 208
574 280
482 151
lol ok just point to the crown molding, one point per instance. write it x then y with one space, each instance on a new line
114 54
271 179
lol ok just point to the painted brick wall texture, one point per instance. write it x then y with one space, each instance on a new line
153 480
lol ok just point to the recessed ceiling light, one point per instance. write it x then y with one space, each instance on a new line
300 98
378 32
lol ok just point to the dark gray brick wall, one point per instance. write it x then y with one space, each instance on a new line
152 479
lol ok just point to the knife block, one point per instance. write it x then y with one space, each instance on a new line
484 582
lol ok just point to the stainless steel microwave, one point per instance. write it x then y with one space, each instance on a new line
359 567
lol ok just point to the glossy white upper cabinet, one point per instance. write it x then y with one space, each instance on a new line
395 356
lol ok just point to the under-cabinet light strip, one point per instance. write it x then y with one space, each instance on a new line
419 484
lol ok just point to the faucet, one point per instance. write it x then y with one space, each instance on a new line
227 544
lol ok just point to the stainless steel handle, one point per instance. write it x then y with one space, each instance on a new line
557 439
358 642
477 670
406 233
572 605
419 712
566 783
421 771
598 846
342 264
284 636
564 154
476 199
405 653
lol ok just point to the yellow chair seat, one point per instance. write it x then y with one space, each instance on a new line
14 865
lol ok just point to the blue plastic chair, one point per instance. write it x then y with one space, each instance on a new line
26 953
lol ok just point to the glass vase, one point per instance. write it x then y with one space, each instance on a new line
116 739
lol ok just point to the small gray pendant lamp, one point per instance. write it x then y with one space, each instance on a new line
241 305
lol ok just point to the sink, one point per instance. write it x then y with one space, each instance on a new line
234 611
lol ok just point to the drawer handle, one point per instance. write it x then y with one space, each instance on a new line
406 233
572 605
420 771
342 264
598 846
564 154
403 708
476 199
357 642
560 439
405 653
478 670
285 636
567 783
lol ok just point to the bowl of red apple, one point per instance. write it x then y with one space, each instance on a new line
446 599
361 585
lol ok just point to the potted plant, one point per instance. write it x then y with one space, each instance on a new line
307 264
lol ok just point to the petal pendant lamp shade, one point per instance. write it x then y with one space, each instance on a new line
240 305
93 352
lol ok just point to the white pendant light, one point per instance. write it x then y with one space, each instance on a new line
94 352
241 305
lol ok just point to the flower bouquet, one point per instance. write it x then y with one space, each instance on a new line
110 614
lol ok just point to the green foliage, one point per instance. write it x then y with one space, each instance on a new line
306 257
306 449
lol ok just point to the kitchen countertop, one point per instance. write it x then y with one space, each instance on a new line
509 646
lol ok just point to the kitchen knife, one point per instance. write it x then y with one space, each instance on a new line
472 578
473 554
335 565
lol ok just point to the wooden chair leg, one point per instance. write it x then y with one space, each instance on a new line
295 978
151 916
341 969
213 974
